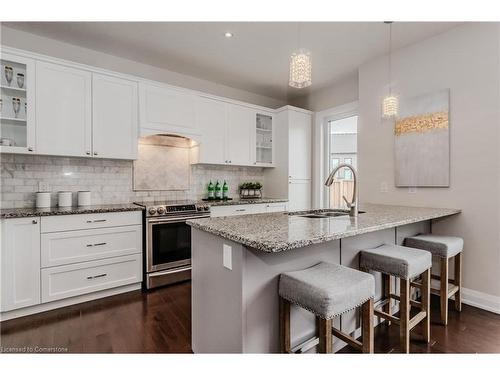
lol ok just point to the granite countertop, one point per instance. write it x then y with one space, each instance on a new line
238 200
275 232
11 213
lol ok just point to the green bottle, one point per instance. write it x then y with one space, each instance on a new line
225 190
210 191
218 190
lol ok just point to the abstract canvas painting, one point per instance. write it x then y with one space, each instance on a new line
422 141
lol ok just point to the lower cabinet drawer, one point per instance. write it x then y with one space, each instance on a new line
82 278
61 248
234 210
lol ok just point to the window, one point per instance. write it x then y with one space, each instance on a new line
341 147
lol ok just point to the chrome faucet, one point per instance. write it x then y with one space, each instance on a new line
353 205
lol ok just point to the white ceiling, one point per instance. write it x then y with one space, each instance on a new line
256 59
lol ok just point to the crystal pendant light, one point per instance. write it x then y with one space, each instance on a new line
390 104
300 67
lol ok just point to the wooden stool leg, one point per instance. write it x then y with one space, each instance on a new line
458 281
325 336
404 315
387 295
285 340
426 305
367 326
443 293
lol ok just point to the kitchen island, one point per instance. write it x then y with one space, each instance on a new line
237 260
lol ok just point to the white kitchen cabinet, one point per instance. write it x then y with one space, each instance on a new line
239 134
233 134
299 145
114 117
20 263
291 178
299 195
211 120
277 207
18 127
247 209
63 110
87 277
167 110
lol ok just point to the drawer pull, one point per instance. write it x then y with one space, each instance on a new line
96 244
241 210
97 276
96 221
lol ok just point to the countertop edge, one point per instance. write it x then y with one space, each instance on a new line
21 213
275 248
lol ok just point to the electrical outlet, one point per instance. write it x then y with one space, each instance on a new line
227 255
384 188
43 186
412 190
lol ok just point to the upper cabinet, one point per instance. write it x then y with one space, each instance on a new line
114 117
17 104
80 113
211 120
63 111
167 110
233 134
263 133
239 127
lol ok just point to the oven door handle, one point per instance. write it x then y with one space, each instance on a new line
176 220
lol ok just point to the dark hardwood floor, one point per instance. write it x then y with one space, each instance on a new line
160 322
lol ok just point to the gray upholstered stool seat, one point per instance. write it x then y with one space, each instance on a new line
327 289
440 246
400 261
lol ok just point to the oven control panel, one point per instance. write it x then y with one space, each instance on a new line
164 210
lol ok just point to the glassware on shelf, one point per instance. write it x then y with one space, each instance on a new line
9 73
16 106
20 80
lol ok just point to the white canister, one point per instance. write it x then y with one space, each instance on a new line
64 199
42 200
84 198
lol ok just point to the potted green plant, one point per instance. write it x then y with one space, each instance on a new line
244 190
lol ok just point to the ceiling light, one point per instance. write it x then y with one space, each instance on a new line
300 66
390 104
228 34
300 69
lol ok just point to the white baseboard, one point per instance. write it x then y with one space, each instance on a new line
481 300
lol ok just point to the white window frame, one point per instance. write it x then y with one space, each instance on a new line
322 148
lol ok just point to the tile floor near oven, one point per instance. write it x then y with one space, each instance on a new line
159 321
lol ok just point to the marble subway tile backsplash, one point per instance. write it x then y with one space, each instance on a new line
110 181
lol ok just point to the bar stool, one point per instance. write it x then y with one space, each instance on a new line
404 263
444 248
327 290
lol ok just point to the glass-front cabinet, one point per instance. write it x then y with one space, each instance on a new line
264 153
17 128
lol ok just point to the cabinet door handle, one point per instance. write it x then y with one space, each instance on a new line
96 244
34 222
95 153
88 152
30 149
97 276
96 221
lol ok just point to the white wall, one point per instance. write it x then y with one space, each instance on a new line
341 92
465 60
51 47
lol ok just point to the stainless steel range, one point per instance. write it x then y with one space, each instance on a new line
168 240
